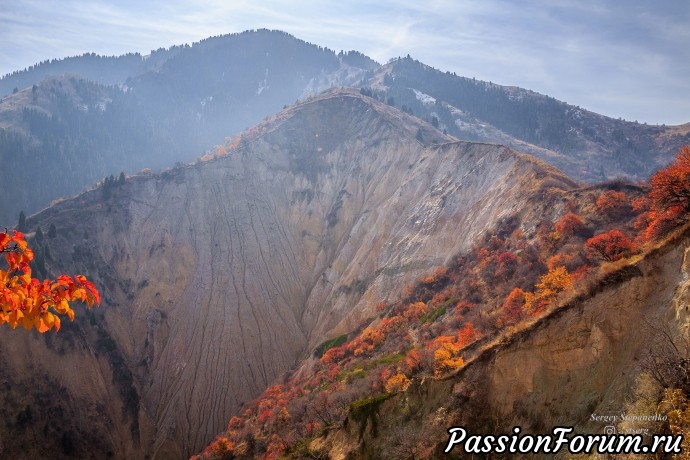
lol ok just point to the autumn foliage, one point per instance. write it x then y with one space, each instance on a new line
448 315
613 203
399 382
610 246
550 285
447 355
28 302
569 224
513 305
669 196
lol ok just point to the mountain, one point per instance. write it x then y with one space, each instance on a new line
585 145
69 129
599 363
245 273
75 121
105 70
221 276
570 312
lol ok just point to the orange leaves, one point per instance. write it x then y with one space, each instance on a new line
447 356
235 423
369 340
333 372
610 246
333 355
550 285
398 383
221 447
561 259
392 325
447 349
554 281
428 279
31 303
415 311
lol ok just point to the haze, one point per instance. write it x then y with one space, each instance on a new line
621 59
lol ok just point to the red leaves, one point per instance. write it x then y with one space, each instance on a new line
610 246
29 302
570 224
467 335
507 262
671 186
333 355
670 196
612 203
512 308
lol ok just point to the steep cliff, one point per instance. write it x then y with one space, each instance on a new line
572 368
219 276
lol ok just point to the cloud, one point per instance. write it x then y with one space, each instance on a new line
627 59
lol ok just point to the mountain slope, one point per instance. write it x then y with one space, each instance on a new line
581 366
219 277
585 145
170 107
72 130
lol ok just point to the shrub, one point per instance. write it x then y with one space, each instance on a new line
610 246
570 224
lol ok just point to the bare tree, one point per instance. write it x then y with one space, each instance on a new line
669 361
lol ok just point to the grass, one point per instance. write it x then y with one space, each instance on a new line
387 359
328 344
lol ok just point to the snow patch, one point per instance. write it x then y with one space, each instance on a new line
456 112
344 76
263 84
103 104
424 98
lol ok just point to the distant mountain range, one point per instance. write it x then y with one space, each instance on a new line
66 124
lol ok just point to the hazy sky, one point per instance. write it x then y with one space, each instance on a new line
627 58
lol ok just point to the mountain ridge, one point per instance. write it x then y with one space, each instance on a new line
220 276
190 98
570 135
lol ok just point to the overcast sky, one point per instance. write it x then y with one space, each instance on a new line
627 58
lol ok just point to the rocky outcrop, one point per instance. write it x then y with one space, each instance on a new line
218 277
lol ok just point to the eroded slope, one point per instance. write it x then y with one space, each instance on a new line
219 277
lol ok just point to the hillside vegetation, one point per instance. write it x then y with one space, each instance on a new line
501 295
